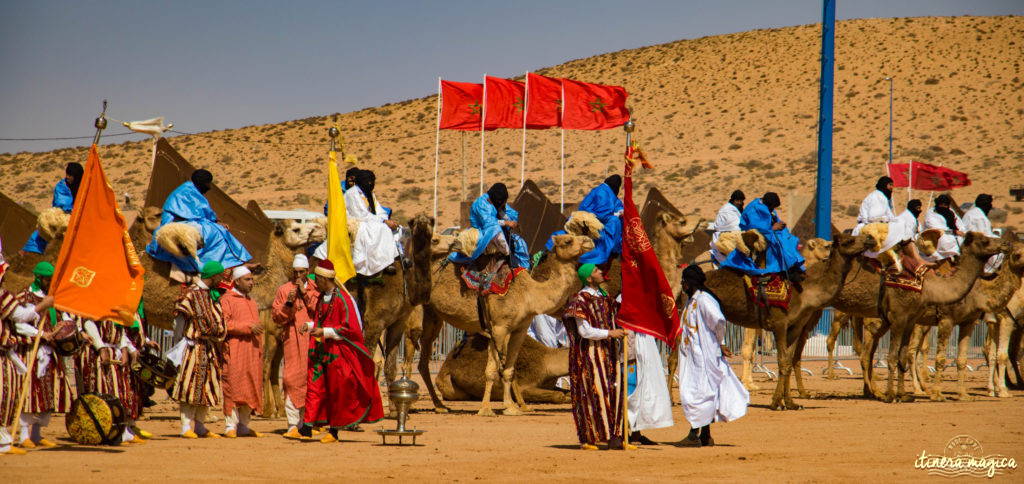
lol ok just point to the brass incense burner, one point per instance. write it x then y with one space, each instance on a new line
403 393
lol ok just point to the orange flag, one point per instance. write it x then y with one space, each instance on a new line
97 275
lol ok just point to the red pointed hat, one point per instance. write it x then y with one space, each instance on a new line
325 268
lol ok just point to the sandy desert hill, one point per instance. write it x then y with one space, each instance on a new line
713 114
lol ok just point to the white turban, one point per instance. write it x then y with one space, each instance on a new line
300 262
239 271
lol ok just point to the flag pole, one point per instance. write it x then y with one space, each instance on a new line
561 118
437 147
628 128
526 109
483 130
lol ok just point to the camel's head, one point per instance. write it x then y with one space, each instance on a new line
294 234
853 245
679 228
421 223
1015 256
977 244
816 250
52 223
571 247
319 233
150 218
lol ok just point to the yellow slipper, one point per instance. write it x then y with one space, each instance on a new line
328 439
211 435
141 433
15 451
253 433
46 444
588 447
190 435
27 444
231 434
136 440
292 433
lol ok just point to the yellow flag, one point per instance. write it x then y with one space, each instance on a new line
339 248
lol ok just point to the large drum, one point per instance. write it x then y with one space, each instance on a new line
66 339
154 371
95 419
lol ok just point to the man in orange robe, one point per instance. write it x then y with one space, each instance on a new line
243 356
292 305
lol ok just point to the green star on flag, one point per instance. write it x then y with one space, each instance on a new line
597 106
519 104
475 108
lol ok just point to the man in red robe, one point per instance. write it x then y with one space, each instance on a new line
243 356
341 391
293 303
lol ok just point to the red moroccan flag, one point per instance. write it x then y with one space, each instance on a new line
648 305
461 105
544 102
922 176
98 274
899 172
593 106
506 101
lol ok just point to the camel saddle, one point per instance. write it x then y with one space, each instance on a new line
768 290
909 278
493 279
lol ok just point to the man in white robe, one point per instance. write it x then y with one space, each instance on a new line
374 247
708 389
877 208
976 220
548 331
728 220
909 218
649 403
942 217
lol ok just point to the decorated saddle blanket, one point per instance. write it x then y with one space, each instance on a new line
910 278
490 281
776 290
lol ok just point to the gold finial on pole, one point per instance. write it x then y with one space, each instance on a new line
100 124
334 132
628 128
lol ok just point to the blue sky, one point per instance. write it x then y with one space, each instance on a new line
207 65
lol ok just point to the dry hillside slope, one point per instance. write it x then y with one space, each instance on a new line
714 114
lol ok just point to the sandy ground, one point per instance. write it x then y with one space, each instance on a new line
838 437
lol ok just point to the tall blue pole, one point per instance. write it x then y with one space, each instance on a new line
823 206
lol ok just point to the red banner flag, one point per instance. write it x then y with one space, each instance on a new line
648 305
922 176
98 274
593 106
506 102
544 102
461 105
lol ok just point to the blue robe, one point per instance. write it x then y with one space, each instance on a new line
602 202
781 254
63 199
186 204
483 216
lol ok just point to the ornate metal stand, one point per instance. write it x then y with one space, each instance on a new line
403 393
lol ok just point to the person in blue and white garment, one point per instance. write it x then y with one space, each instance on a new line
188 204
64 194
781 255
491 215
942 217
602 201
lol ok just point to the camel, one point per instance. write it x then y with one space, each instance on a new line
988 295
507 316
1006 348
51 224
814 251
387 305
862 292
537 370
823 283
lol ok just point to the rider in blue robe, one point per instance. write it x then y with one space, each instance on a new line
781 255
63 198
603 201
187 204
494 218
